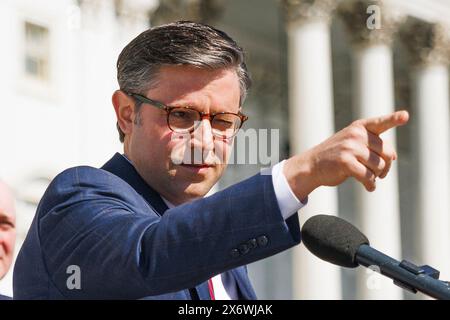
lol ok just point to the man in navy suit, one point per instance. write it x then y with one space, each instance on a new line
140 226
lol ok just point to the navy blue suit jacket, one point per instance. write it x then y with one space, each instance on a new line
128 245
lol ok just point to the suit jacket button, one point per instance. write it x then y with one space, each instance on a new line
244 249
262 241
235 253
252 243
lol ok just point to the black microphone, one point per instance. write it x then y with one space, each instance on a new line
339 242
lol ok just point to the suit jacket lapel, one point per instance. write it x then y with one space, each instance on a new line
122 168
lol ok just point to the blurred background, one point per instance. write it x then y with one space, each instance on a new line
317 65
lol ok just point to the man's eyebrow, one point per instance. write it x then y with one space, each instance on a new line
182 103
191 104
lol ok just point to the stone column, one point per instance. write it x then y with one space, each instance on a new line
311 121
429 48
378 212
106 26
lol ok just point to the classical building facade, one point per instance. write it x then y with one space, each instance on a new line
317 65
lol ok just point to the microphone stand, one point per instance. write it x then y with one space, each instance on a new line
405 274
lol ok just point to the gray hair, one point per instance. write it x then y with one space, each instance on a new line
178 43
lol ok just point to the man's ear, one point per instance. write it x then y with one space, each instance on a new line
123 106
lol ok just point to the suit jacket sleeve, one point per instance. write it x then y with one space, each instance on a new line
94 220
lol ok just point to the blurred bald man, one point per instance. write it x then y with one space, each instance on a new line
7 230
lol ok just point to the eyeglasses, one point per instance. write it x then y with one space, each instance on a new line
224 125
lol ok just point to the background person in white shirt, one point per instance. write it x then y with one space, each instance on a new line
7 229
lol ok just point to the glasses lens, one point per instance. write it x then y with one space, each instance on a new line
183 119
226 124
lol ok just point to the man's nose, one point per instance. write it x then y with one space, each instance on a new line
203 136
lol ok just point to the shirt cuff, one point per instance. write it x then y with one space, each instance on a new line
287 200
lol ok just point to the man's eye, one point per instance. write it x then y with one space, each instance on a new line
223 123
179 114
6 226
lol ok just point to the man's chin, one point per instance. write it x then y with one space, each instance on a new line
194 192
194 182
199 189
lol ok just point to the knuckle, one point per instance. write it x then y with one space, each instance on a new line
356 123
346 167
350 169
355 131
388 156
378 172
382 165
348 145
345 159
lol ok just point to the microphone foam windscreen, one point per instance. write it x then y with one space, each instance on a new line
333 239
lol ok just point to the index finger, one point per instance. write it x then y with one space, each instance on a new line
381 124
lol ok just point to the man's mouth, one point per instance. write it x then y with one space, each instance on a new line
201 167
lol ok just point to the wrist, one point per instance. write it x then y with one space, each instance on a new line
298 171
